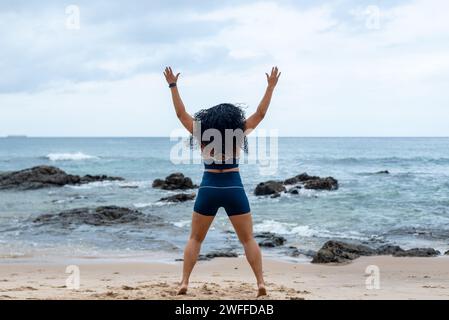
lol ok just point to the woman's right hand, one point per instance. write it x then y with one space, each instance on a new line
169 76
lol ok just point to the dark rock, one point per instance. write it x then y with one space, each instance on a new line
45 176
340 252
270 239
303 177
294 190
269 188
383 172
100 216
276 195
158 183
328 183
180 197
89 178
175 181
225 253
295 252
388 250
417 252
309 182
221 254
290 181
446 253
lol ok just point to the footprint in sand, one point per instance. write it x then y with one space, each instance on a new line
22 289
128 288
59 287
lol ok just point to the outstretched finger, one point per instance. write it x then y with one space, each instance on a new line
171 71
279 75
177 76
268 77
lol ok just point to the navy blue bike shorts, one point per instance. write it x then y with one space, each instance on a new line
221 190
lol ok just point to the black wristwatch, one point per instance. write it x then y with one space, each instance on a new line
171 85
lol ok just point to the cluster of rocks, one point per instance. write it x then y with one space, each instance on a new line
334 251
292 185
100 216
46 176
270 239
175 181
341 252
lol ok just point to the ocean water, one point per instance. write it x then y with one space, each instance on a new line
408 207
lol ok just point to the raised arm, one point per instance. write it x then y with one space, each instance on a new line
185 118
253 121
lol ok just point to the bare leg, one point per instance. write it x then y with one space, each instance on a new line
200 226
243 225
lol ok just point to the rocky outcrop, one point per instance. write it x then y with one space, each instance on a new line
44 177
100 216
175 181
180 197
383 172
294 184
270 239
328 183
446 253
388 249
340 252
269 188
303 177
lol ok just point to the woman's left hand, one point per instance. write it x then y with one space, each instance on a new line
273 78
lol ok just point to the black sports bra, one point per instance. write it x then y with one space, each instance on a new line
227 164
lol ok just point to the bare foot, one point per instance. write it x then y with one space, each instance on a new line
262 291
182 289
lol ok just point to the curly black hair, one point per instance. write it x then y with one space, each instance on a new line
222 117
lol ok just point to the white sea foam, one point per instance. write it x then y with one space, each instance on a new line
182 223
304 230
141 205
110 184
284 228
69 156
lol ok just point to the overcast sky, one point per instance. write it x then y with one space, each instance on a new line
349 68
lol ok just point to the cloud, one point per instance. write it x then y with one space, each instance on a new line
340 76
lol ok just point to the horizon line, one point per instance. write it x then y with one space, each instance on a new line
168 137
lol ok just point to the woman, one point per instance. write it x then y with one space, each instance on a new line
221 185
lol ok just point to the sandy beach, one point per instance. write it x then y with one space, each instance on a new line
230 278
